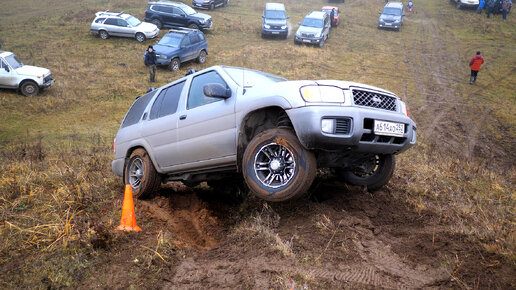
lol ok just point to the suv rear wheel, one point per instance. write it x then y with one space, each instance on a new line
140 173
276 167
103 34
202 57
374 172
174 64
212 6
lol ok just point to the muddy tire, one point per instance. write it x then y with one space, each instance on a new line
374 173
321 43
29 88
276 167
202 57
193 26
225 3
103 34
174 64
140 173
157 23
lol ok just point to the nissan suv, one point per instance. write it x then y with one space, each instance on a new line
391 16
275 20
180 45
26 78
209 4
121 24
175 14
222 123
315 29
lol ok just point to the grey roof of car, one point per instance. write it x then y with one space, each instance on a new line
394 4
316 14
168 3
274 6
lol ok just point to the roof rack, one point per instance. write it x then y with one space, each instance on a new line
182 30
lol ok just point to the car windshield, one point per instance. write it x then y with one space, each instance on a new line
188 10
171 39
312 22
275 14
13 61
392 11
133 21
250 78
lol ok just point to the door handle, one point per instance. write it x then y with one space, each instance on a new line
182 117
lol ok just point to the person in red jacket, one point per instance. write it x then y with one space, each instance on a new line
475 63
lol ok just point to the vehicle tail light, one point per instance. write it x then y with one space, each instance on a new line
114 145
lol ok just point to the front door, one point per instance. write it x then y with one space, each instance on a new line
8 77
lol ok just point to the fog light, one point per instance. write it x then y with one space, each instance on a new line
327 125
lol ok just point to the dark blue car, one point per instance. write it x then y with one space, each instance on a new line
180 45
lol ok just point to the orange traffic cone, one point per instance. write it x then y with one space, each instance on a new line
128 222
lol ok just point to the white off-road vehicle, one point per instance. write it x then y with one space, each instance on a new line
26 78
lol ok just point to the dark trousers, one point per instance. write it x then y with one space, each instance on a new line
479 10
504 14
152 71
473 76
488 11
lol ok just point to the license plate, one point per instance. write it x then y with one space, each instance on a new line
306 40
275 32
389 128
388 24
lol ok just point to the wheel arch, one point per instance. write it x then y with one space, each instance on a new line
132 148
20 84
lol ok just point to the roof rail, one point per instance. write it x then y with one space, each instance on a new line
119 14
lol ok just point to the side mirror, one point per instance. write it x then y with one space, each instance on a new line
183 15
215 90
288 17
299 23
263 16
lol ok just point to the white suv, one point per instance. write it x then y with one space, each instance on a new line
28 79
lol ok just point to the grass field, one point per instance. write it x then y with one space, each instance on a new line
59 202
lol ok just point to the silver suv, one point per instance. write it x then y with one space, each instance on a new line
28 79
121 24
222 121
315 29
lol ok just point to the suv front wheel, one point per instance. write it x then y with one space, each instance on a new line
276 167
174 64
140 173
29 88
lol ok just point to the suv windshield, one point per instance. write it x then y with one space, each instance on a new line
392 11
275 14
171 39
13 61
312 22
250 78
188 10
133 21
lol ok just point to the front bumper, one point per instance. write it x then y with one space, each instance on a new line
312 40
162 61
360 136
206 25
152 34
390 25
48 83
201 5
268 31
117 166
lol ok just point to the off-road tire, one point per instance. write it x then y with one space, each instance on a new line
298 180
29 88
459 5
321 43
140 173
140 37
174 65
157 22
212 7
202 56
381 175
193 26
103 34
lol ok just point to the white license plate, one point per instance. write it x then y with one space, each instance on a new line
275 32
388 24
389 128
306 40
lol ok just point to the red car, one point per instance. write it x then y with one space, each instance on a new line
328 9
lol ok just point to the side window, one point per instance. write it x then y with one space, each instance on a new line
196 96
122 23
167 9
134 114
166 102
178 11
111 21
194 38
186 41
201 36
99 20
2 64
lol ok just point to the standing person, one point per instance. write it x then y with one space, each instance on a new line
475 63
332 17
410 5
481 4
150 62
506 4
490 7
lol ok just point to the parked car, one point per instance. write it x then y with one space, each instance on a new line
336 19
181 45
209 4
465 3
338 1
391 16
498 7
121 24
275 20
223 122
175 14
26 78
315 29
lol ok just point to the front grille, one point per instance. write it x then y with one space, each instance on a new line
307 35
374 100
342 126
48 78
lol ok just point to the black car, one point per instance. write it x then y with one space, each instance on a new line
170 14
209 4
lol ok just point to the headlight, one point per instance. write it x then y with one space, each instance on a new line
318 34
267 26
284 27
162 56
322 94
202 21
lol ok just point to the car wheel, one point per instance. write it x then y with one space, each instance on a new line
193 26
140 37
276 167
157 23
459 5
202 57
29 88
103 34
174 64
321 43
212 6
140 174
374 173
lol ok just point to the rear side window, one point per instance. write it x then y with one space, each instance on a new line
201 36
99 20
135 112
194 38
166 102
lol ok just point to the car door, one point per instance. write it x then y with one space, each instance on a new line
8 77
167 14
195 43
160 128
111 26
186 49
180 17
124 29
206 129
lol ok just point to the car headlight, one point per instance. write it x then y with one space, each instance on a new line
284 27
322 94
162 56
318 34
267 26
202 21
